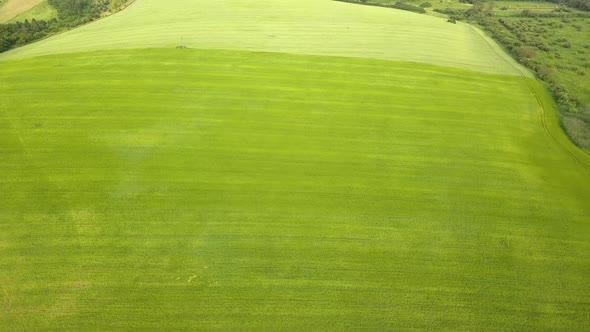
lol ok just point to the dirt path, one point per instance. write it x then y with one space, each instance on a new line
11 8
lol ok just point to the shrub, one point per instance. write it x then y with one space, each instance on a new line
546 73
527 52
408 7
578 130
425 5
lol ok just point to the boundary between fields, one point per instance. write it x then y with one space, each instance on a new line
526 75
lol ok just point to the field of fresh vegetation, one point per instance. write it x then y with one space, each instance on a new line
550 38
320 166
310 27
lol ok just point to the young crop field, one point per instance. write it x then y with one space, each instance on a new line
285 185
305 27
550 39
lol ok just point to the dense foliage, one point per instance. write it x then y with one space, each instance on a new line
72 8
404 6
578 4
397 5
21 33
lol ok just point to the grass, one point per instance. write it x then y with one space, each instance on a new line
298 27
515 8
228 190
42 11
326 187
11 8
560 48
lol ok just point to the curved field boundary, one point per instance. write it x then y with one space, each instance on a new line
524 72
576 154
563 142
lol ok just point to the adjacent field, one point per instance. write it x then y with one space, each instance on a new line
11 8
321 27
185 189
42 11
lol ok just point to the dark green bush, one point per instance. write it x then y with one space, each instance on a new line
404 6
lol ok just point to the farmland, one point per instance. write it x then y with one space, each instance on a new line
308 27
11 8
549 38
42 11
271 174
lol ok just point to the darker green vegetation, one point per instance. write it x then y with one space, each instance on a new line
397 5
71 13
550 40
21 33
577 4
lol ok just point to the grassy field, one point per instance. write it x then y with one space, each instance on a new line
42 11
236 190
303 27
11 8
216 189
554 44
512 8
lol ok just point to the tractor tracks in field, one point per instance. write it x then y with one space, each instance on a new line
521 71
546 127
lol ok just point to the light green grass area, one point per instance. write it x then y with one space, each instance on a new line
321 27
207 190
525 5
42 11
509 8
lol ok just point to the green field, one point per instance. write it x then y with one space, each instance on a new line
159 188
552 42
303 27
42 11
511 8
